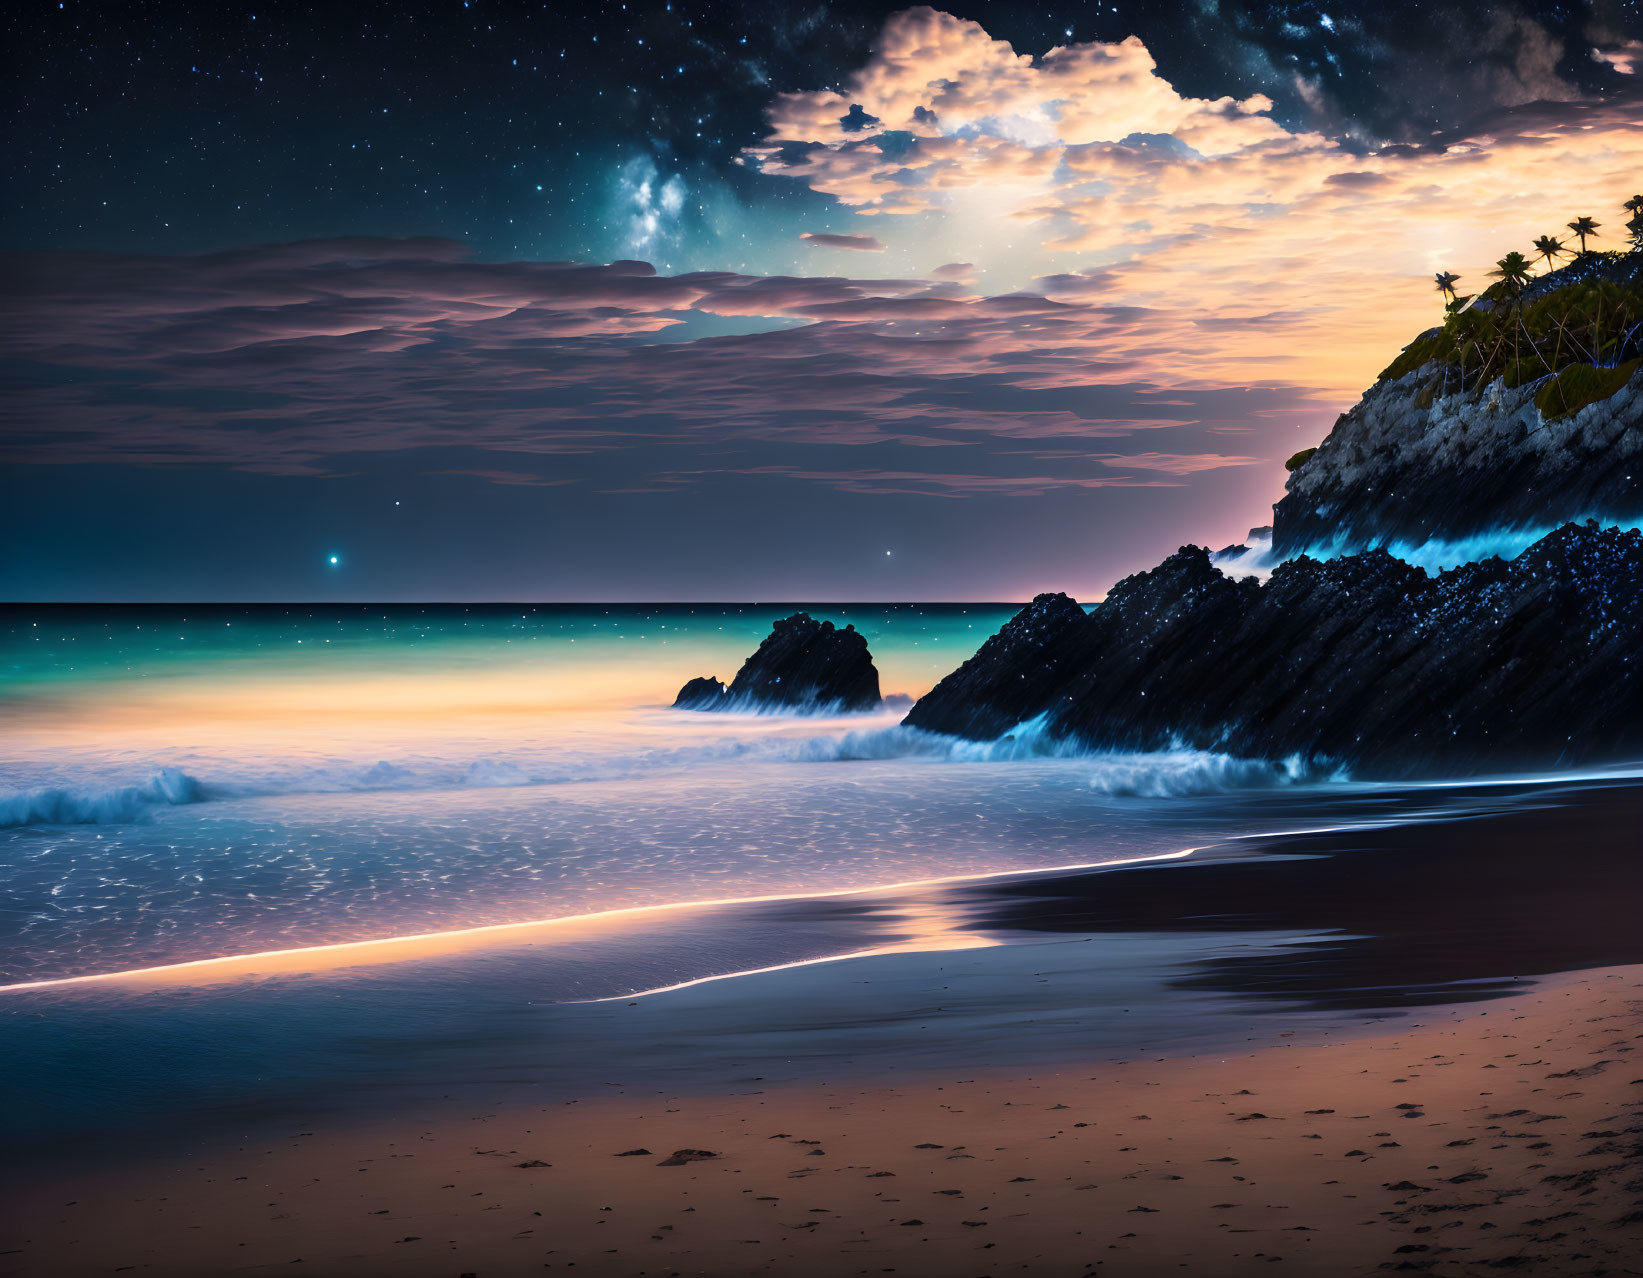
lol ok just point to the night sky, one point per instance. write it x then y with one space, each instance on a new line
726 301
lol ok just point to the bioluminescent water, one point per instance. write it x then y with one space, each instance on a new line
183 783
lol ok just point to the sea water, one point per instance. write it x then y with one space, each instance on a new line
263 866
187 782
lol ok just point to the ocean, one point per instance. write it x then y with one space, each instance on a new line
256 860
179 783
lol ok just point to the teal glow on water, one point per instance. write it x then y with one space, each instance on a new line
179 783
52 649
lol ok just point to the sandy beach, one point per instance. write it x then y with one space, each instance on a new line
1498 1135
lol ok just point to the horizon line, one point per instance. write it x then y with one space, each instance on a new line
500 603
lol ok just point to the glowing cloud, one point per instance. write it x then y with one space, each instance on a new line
1290 253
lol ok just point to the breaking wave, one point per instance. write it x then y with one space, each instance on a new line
168 787
1148 775
1161 774
1437 555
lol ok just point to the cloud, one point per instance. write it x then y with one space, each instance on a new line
314 358
942 484
861 243
1176 463
1396 72
510 478
1119 260
1083 174
1625 59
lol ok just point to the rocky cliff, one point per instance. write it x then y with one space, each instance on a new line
803 664
1523 411
1363 661
1512 415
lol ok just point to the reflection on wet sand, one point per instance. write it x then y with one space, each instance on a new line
900 918
1384 915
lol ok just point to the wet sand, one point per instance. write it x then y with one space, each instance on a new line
1497 1136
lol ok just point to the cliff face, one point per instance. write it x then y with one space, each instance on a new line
1513 414
1364 661
1408 464
803 664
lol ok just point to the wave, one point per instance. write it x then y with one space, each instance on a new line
1436 555
1146 775
169 787
1161 774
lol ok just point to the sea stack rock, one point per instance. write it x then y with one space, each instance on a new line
803 664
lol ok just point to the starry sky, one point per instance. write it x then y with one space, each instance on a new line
726 301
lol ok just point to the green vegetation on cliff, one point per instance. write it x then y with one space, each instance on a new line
1581 384
1522 333
1577 326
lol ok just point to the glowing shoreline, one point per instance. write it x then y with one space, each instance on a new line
423 945
430 944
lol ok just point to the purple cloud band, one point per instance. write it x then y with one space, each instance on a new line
305 359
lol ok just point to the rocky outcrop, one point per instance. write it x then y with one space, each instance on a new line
1517 416
1363 661
1509 416
803 664
1012 675
706 693
1408 465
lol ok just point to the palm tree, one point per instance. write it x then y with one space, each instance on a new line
1635 204
1634 228
1549 248
1512 271
1584 226
1446 281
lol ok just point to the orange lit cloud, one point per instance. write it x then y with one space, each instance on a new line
1625 59
1311 260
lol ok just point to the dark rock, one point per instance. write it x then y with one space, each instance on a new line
1363 661
803 664
700 694
1013 675
1422 457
